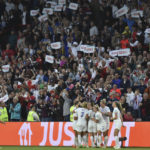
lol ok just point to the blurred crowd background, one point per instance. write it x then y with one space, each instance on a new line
26 79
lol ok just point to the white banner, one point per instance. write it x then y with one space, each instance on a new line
53 4
147 30
5 68
87 48
136 14
34 12
48 11
4 98
56 45
34 82
43 18
58 8
120 52
49 59
19 83
73 6
122 11
62 2
80 67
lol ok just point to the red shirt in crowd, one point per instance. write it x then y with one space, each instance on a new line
128 117
118 91
8 52
124 43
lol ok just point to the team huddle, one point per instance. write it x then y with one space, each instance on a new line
93 120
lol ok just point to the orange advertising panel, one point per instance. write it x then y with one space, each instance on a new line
61 134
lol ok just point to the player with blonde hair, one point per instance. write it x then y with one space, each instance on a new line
92 125
117 121
106 115
82 116
101 124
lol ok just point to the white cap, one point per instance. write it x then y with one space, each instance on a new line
75 43
148 63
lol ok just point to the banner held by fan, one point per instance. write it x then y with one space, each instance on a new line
122 11
56 45
120 52
73 6
49 59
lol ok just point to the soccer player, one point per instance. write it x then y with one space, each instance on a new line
92 124
75 123
117 120
82 115
106 115
101 125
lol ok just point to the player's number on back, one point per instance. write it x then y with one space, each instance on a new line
82 114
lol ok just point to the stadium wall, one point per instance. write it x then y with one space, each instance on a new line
61 134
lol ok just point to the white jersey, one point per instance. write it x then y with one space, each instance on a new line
101 124
74 121
91 123
105 110
91 115
82 122
81 114
117 122
99 117
117 111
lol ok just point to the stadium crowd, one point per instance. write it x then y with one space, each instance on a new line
28 33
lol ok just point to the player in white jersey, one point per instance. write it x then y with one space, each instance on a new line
92 124
82 115
75 124
117 121
106 115
101 125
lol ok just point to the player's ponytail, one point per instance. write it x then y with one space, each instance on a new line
97 107
119 106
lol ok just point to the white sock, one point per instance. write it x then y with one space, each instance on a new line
105 140
84 140
76 141
92 140
79 140
95 138
87 139
100 139
117 140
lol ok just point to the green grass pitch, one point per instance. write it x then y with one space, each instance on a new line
61 148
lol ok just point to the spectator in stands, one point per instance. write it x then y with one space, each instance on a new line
117 91
124 104
145 107
12 40
136 104
125 83
15 110
124 42
66 105
116 80
129 98
93 30
147 90
128 116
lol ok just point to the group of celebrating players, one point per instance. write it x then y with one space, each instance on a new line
89 119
